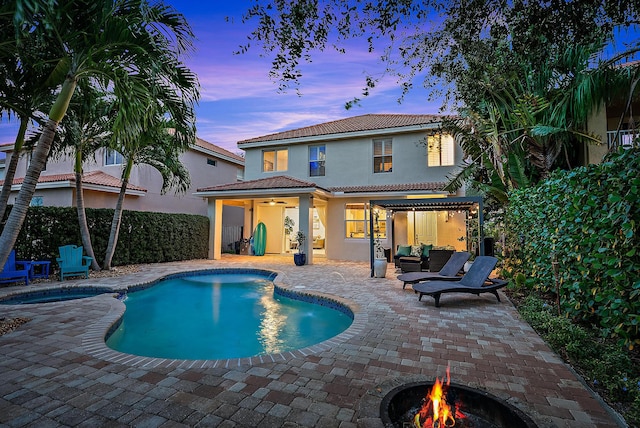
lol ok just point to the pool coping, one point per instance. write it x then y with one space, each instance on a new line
94 344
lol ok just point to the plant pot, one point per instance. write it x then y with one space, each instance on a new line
300 259
380 268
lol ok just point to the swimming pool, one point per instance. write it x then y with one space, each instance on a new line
53 295
223 315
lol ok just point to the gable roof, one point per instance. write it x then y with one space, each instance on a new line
275 182
96 179
286 184
218 151
364 123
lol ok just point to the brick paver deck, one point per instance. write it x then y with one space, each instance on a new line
56 370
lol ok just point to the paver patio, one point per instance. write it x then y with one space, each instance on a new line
56 371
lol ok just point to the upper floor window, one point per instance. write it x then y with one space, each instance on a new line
112 157
275 160
316 161
212 162
440 150
382 156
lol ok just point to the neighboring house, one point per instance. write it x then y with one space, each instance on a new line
207 164
325 176
616 123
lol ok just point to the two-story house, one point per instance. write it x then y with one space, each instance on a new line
325 177
207 164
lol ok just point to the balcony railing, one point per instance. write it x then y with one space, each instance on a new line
625 138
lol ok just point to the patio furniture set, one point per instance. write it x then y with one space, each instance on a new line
71 263
448 280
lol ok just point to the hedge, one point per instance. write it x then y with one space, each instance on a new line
587 221
145 237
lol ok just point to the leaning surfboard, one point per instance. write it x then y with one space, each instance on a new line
260 239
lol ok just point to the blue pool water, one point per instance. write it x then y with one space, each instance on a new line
218 316
53 295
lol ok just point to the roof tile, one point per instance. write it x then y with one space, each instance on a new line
367 122
98 178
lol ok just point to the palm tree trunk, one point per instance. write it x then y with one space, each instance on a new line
82 216
10 172
38 161
28 188
117 217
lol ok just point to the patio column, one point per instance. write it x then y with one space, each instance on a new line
305 225
214 212
248 219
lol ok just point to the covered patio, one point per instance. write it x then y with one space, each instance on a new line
471 206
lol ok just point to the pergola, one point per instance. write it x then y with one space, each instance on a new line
462 203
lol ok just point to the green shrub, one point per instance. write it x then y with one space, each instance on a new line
144 237
605 365
587 221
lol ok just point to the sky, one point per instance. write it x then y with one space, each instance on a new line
239 100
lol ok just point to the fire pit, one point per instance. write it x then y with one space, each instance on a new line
414 404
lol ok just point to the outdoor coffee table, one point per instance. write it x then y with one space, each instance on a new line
42 271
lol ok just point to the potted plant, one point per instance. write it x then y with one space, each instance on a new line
380 260
299 258
288 228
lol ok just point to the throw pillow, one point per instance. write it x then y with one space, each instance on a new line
416 250
403 250
425 249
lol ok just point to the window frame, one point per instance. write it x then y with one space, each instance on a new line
108 153
379 161
364 208
436 154
320 159
276 157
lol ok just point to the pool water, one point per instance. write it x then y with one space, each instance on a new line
53 295
218 316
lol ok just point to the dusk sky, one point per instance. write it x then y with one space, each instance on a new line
239 101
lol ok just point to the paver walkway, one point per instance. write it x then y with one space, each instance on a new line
54 372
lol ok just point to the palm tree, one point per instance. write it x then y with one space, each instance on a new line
108 41
86 129
159 144
25 87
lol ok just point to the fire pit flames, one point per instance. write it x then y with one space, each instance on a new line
436 412
442 404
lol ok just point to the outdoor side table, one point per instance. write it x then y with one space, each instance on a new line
43 269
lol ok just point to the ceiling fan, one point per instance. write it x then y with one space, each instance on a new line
273 202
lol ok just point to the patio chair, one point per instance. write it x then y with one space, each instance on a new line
15 271
475 281
449 271
72 262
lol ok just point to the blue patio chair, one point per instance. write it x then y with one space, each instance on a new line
15 271
72 262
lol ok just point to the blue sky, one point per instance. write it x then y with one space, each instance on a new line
239 101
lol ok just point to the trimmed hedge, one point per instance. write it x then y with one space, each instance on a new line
145 237
587 220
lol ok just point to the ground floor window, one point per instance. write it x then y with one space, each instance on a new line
357 221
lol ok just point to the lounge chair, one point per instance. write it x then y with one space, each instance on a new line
449 271
72 262
15 271
475 281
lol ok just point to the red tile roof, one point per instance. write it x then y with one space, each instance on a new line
217 149
285 182
390 188
98 178
367 122
276 182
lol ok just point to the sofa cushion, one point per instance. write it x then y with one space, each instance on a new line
403 250
416 250
425 249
